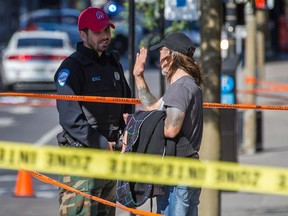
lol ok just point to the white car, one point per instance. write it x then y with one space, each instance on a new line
31 59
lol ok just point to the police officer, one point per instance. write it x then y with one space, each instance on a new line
90 70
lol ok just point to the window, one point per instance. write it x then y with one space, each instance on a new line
66 20
40 42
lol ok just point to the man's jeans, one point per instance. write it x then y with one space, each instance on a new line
179 201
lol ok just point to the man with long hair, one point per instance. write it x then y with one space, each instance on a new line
184 112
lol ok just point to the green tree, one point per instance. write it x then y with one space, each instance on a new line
154 22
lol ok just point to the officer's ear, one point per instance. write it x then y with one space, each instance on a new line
84 34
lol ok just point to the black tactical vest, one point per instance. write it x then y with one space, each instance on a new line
105 80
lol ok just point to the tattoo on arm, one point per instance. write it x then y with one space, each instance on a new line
145 96
174 120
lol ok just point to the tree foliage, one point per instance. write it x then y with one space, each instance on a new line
152 20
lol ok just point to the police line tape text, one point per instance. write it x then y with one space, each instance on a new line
144 168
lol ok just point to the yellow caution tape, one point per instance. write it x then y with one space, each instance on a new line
144 168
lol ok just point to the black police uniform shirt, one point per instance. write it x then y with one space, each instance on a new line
85 73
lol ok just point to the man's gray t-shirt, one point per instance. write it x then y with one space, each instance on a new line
185 95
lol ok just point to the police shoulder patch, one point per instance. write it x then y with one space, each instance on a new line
63 76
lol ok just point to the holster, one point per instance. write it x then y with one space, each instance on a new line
65 140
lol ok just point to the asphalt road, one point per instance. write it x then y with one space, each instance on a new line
36 125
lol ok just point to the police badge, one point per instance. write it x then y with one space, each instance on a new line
117 75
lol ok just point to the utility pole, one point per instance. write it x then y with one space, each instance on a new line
261 30
131 47
249 129
231 21
228 91
211 19
161 24
260 58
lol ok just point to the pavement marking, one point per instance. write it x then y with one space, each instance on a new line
21 110
13 100
7 178
3 191
7 122
46 194
47 187
47 137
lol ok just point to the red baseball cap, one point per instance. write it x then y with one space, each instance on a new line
94 19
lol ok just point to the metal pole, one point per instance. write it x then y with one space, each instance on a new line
131 46
249 130
162 29
261 29
231 21
131 51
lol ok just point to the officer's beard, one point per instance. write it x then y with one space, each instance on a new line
99 47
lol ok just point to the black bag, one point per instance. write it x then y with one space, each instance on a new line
133 194
146 126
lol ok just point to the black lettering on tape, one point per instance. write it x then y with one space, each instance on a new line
238 177
123 167
18 157
145 168
72 161
119 167
11 157
2 151
26 157
283 182
113 165
180 172
255 178
221 177
170 170
87 162
197 173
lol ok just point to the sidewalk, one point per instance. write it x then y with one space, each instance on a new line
275 150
